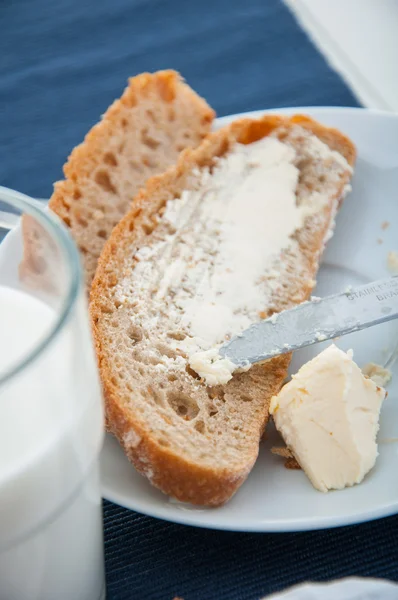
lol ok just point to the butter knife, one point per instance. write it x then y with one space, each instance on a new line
315 321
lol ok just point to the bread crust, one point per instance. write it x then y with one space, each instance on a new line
173 473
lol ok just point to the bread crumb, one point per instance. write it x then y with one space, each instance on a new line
282 451
132 439
149 473
379 241
392 262
385 225
377 374
291 463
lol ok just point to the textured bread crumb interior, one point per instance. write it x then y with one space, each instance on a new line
169 422
140 135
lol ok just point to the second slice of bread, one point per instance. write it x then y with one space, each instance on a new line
140 135
194 442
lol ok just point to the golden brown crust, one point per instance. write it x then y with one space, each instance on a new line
172 473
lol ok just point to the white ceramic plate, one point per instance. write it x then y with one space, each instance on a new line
343 589
274 498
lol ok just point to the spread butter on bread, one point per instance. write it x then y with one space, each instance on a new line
232 233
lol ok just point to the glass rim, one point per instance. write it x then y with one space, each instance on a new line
60 234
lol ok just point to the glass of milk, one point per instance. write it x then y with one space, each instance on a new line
51 414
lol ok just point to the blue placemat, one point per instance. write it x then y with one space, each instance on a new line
62 64
150 559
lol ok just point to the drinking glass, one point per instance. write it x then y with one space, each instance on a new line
51 414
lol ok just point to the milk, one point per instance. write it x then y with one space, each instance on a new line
51 431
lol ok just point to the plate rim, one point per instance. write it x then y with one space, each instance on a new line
275 526
190 517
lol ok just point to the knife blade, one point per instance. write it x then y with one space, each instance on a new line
315 321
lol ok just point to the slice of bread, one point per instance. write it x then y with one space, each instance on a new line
194 442
140 135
